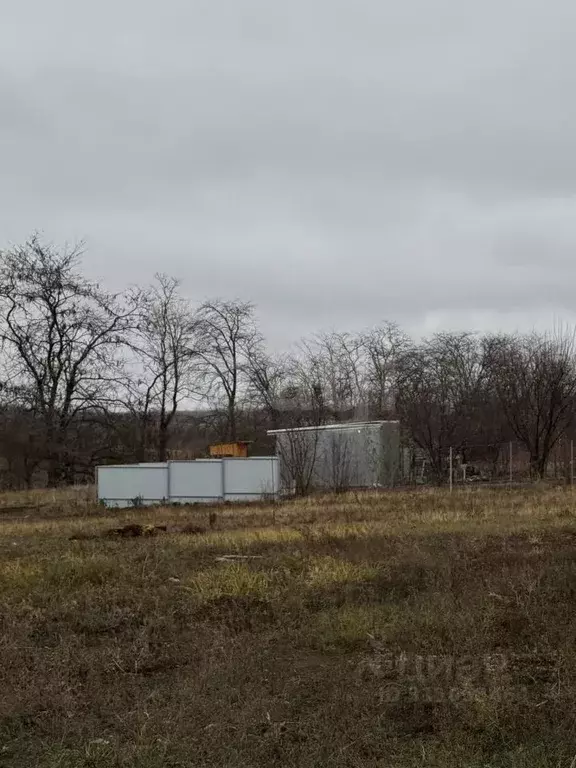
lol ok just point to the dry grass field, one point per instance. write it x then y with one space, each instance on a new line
393 630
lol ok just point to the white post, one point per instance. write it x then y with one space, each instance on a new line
510 475
450 469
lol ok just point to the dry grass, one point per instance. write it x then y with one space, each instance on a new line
402 629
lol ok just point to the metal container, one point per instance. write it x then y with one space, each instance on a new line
339 456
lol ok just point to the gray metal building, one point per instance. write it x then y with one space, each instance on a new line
339 456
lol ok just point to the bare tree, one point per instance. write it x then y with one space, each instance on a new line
442 382
227 335
297 451
291 388
162 379
534 377
384 347
303 399
356 372
333 362
267 379
60 335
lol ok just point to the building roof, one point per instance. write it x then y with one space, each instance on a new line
344 425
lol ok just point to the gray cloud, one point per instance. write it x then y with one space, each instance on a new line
336 162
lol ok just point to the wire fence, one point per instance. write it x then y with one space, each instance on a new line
503 464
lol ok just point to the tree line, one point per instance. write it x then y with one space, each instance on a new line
90 376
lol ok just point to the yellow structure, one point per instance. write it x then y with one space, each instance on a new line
229 450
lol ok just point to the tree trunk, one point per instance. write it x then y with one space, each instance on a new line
538 465
232 429
142 438
68 470
162 442
54 473
274 417
60 467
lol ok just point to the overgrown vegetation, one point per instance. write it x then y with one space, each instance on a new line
400 629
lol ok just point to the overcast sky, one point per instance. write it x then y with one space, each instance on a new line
336 161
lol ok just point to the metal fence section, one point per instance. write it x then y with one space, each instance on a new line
132 484
195 481
507 463
188 482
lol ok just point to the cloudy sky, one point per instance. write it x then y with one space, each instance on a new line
336 161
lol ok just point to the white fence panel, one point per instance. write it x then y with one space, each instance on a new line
123 486
188 482
195 481
250 479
